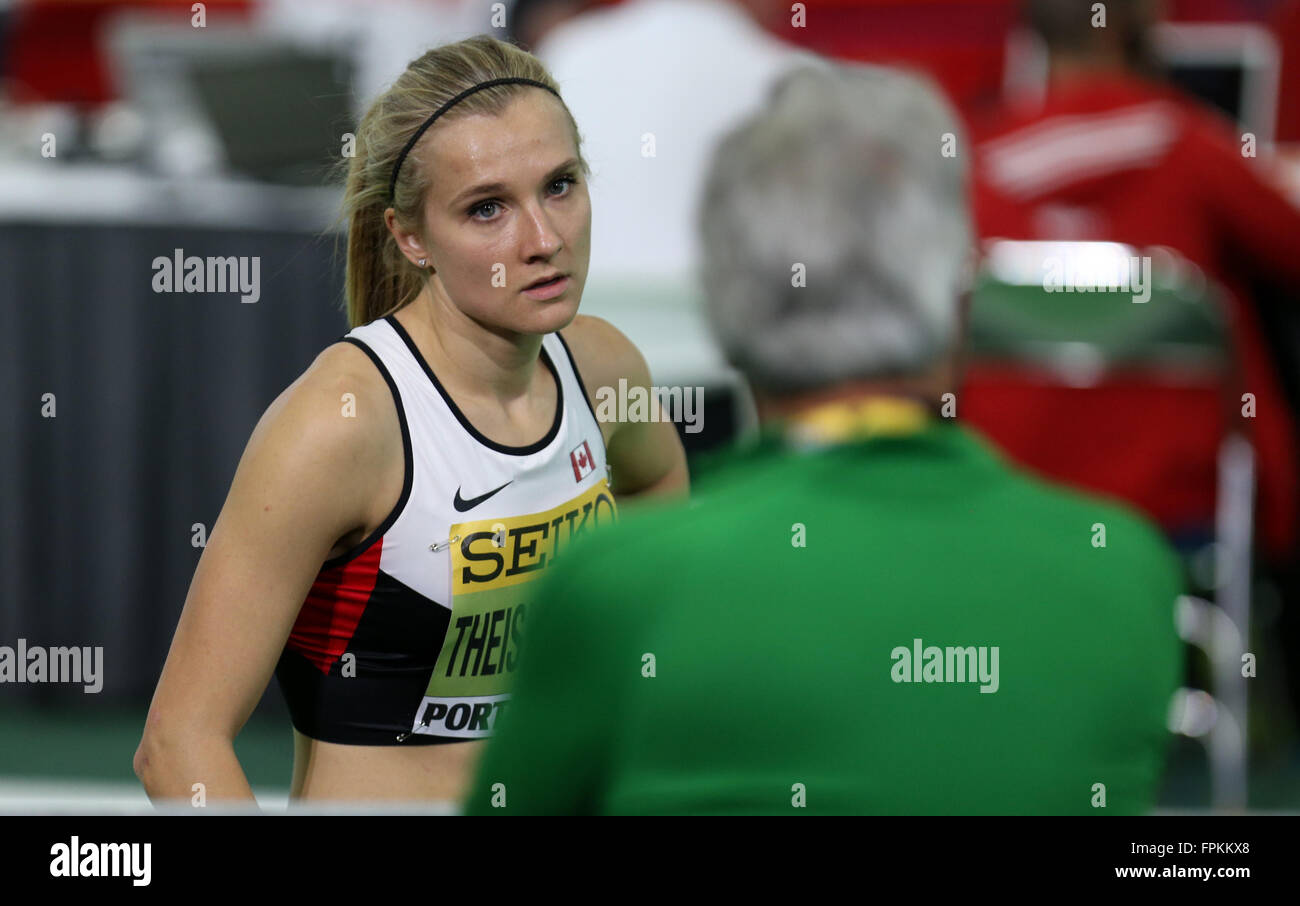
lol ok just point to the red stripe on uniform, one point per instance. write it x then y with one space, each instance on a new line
333 608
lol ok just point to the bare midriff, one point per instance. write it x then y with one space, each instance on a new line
418 773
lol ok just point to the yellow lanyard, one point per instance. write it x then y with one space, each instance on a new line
842 421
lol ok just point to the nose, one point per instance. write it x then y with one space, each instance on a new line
541 239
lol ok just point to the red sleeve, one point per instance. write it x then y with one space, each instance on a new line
1250 212
993 214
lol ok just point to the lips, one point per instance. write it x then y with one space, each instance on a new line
544 280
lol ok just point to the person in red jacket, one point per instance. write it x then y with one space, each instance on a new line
1110 153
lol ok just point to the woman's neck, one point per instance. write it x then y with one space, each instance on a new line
470 359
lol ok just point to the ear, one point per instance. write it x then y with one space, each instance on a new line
411 244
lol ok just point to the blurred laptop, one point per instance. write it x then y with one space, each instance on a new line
1235 68
230 99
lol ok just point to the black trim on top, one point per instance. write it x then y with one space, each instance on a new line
408 464
573 363
465 422
355 710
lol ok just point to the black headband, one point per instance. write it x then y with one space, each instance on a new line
392 182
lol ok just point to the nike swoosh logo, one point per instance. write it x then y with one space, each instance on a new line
463 505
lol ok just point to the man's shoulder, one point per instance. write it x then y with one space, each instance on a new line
1089 523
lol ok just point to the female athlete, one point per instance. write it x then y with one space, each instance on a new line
395 503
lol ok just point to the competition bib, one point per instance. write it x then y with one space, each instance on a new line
493 564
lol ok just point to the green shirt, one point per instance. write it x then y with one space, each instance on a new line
745 653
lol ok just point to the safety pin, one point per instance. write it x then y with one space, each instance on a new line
403 737
443 545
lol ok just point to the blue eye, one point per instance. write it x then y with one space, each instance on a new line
566 179
491 203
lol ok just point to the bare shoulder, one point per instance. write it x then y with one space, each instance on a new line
345 360
345 373
603 353
340 406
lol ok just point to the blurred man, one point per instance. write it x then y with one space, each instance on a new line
1109 154
867 611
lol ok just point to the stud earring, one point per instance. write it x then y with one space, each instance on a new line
423 262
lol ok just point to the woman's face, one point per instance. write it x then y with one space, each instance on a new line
488 244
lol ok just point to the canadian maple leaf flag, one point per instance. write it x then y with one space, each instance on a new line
583 463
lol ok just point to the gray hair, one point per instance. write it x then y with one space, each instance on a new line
843 172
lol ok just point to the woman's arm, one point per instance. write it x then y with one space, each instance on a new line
640 451
305 480
646 458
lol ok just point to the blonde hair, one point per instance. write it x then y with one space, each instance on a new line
379 279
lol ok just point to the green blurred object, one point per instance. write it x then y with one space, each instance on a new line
1030 304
